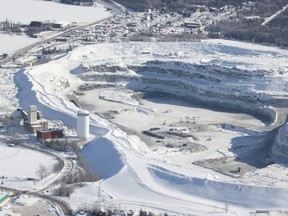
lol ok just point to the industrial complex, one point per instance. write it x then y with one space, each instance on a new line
34 120
34 123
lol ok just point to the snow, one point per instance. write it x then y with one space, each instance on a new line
25 205
22 165
134 175
37 11
10 43
8 212
111 165
121 98
8 101
227 53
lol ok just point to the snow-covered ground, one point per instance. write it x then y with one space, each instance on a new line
8 101
204 124
136 176
213 52
26 205
25 11
11 42
19 164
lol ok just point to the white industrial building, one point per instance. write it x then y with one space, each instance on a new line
83 124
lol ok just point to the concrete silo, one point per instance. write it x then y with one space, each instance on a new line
83 124
32 114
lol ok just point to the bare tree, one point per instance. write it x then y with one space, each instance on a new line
64 145
64 190
41 172
80 175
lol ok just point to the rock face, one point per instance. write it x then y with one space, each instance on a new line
212 84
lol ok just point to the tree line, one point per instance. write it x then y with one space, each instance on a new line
77 2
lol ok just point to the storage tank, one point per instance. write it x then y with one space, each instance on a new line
83 124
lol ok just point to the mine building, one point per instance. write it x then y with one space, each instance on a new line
34 123
50 134
34 120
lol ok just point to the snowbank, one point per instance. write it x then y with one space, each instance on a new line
103 158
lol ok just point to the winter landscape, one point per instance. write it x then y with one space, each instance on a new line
175 128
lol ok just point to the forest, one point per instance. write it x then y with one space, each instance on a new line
248 25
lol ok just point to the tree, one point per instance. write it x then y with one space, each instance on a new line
41 172
143 213
64 190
